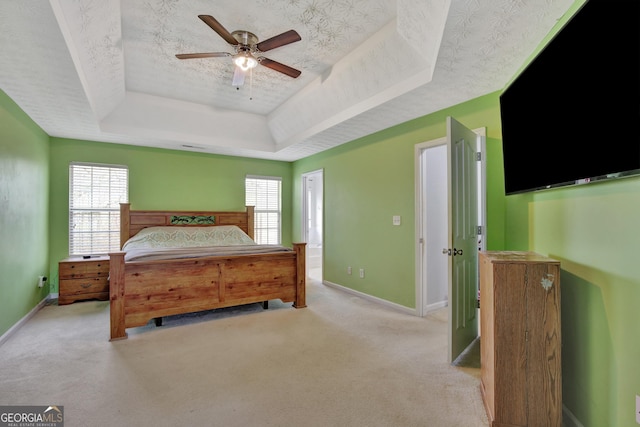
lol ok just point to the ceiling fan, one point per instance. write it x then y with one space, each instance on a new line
247 50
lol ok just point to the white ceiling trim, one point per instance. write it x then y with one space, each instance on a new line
421 23
93 35
151 116
382 68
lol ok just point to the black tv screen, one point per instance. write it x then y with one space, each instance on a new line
573 115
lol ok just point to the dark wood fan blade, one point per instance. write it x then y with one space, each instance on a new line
202 55
290 36
218 28
274 65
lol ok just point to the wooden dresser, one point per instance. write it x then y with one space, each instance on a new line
83 279
521 371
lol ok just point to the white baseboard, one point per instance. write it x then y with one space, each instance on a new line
437 305
12 330
377 300
568 419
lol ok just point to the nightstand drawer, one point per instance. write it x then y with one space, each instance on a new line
89 285
82 268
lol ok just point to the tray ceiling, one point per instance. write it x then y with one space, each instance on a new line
105 70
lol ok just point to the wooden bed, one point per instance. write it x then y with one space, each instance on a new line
145 290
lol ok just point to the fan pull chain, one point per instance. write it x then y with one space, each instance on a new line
251 84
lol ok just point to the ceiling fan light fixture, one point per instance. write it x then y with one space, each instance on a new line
245 44
245 61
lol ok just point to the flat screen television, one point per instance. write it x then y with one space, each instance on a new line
572 116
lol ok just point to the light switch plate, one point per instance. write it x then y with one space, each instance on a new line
396 220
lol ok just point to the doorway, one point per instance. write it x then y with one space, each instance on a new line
312 221
432 218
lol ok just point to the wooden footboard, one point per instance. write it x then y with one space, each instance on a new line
143 290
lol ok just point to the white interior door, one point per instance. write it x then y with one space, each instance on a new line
462 250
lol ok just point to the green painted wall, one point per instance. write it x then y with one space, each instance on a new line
368 181
594 231
24 204
159 179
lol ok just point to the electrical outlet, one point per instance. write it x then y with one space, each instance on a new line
362 273
349 270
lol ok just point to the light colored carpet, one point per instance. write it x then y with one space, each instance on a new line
342 361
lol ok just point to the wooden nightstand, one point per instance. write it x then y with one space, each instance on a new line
83 279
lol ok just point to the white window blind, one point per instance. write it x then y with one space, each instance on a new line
264 193
95 194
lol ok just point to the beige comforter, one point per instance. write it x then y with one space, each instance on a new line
148 254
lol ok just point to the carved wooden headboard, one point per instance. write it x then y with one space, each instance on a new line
133 221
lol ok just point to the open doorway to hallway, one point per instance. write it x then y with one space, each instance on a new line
312 217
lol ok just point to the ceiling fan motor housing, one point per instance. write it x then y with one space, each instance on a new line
245 38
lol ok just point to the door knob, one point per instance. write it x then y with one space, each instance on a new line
457 251
446 251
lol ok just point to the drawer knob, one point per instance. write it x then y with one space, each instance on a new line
86 285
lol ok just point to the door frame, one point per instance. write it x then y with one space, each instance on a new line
420 267
305 211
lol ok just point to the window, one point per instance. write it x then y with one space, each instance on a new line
95 194
264 192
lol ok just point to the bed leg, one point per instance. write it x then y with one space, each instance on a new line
265 305
158 321
301 275
116 296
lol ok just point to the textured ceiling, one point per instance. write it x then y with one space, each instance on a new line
105 70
